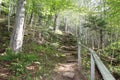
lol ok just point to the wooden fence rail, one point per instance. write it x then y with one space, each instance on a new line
106 75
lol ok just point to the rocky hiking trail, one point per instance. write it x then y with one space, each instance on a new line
68 70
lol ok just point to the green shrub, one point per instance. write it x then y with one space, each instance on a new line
18 62
110 55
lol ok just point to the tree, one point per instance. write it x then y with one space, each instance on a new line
18 31
97 24
56 7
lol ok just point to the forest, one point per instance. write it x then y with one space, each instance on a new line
59 39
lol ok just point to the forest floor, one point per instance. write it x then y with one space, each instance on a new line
65 70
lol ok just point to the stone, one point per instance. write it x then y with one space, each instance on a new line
69 74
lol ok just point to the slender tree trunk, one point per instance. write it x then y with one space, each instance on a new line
66 25
18 31
0 1
93 45
101 39
9 14
56 22
76 30
0 6
31 19
79 55
55 19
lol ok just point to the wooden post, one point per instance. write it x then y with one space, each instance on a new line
92 68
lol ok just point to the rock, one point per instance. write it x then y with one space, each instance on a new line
69 74
55 44
59 32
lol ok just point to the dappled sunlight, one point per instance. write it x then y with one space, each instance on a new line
3 75
65 67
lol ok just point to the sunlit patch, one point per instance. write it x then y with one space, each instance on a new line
3 75
32 67
65 67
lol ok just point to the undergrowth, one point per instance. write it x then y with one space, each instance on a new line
110 55
18 63
34 62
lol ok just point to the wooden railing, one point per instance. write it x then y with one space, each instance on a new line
106 75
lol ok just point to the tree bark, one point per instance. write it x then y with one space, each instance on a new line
18 31
0 6
79 55
101 39
9 14
31 19
56 22
66 25
0 1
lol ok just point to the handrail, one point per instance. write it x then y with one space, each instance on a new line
102 68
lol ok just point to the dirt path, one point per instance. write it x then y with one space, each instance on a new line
68 70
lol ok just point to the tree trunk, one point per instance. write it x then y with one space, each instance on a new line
18 31
31 19
66 25
0 6
0 1
101 39
56 22
9 14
